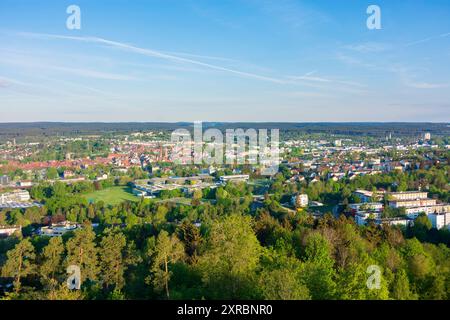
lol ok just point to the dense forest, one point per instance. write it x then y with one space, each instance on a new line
221 248
48 129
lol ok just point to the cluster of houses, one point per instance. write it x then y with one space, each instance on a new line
411 203
322 160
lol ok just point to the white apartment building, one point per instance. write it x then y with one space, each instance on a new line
300 200
412 203
395 221
368 196
372 206
362 217
237 177
363 195
414 212
7 231
408 195
440 220
15 196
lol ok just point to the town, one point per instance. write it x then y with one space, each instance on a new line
67 190
141 163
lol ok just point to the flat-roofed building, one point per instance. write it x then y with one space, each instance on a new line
7 231
362 217
368 196
398 221
408 195
413 212
300 200
236 177
372 206
412 203
440 220
57 230
15 196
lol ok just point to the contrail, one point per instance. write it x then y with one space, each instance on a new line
427 39
154 53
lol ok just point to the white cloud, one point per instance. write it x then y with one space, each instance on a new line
427 85
94 74
368 47
308 77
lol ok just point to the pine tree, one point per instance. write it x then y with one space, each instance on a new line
19 263
112 264
168 250
52 257
82 252
191 238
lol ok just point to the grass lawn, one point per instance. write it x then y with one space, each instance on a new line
113 195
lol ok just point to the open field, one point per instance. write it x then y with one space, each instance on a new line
113 195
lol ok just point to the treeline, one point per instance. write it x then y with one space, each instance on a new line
49 129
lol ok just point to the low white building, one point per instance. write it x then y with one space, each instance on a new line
408 195
7 231
413 212
372 206
300 200
236 177
362 217
412 203
57 230
368 196
25 183
395 221
15 196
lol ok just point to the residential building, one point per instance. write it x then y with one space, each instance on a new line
408 195
372 206
439 220
362 217
25 183
7 231
57 230
300 200
364 195
413 212
15 196
412 203
235 178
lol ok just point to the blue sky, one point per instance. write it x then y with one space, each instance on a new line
227 60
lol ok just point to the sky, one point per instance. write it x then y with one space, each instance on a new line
225 60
